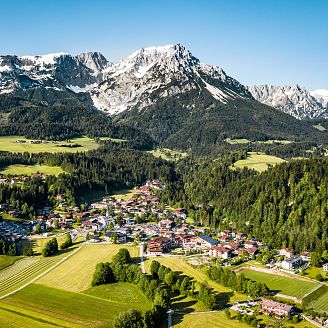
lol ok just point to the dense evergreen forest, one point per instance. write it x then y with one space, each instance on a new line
284 206
59 121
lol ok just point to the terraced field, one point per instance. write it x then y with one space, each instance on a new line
23 271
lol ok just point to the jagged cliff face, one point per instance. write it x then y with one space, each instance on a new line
59 71
145 77
293 100
158 72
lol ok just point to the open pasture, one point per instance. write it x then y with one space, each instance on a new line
20 169
19 144
257 161
75 274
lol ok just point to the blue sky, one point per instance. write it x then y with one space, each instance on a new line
257 42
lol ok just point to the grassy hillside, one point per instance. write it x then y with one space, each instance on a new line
60 308
258 161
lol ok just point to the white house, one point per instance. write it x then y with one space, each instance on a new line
325 267
291 263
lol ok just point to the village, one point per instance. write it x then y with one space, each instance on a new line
164 230
142 219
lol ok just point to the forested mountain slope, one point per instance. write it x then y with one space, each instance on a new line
284 206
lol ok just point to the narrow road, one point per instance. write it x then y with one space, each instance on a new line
40 275
169 318
141 246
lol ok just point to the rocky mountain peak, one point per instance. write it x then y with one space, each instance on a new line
293 100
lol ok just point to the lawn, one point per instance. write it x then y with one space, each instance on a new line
19 169
178 264
8 143
63 308
75 274
284 285
6 260
257 161
121 292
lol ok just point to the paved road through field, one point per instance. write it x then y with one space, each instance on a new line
141 246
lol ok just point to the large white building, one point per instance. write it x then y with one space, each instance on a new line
291 263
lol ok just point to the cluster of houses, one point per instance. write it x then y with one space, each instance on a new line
21 178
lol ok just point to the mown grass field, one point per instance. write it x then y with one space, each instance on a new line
20 169
60 308
179 265
288 286
8 143
23 271
6 260
257 161
75 274
121 292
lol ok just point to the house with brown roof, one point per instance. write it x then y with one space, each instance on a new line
279 310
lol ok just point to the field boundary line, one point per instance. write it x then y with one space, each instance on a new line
41 275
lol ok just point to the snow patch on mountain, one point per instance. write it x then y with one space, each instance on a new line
156 72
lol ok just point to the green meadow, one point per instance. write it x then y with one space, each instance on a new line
10 144
257 161
20 169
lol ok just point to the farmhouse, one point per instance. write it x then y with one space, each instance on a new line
325 267
291 263
278 309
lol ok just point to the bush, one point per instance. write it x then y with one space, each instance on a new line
50 248
122 257
103 274
67 242
132 318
